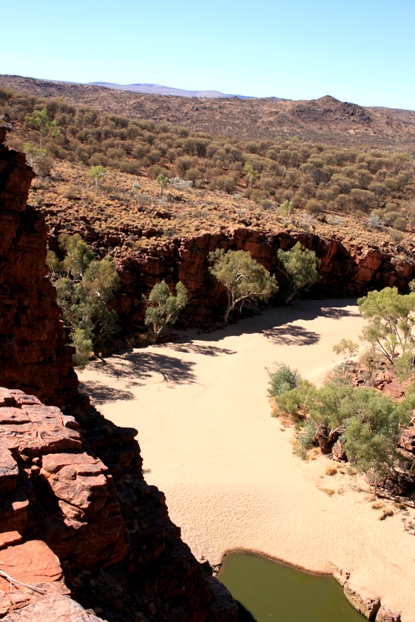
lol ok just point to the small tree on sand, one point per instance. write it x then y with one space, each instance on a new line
163 307
243 277
299 265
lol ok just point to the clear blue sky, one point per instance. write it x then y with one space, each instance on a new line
361 51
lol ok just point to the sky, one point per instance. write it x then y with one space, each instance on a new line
361 51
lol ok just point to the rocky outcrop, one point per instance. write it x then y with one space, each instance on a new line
407 439
34 357
346 271
33 588
367 604
72 479
84 495
386 615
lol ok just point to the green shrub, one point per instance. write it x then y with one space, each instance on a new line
283 379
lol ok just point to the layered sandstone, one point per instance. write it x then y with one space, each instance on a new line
84 495
71 479
34 357
346 271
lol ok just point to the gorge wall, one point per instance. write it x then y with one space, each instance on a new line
76 515
346 271
34 357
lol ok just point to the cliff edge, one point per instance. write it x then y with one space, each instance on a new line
76 515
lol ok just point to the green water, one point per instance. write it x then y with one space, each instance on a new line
272 591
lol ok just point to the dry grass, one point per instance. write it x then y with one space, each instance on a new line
328 491
330 470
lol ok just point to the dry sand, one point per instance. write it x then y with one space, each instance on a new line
226 466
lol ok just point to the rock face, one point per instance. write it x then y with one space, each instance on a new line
345 271
27 299
79 487
367 604
72 479
386 615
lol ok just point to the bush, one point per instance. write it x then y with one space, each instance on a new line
286 208
283 379
313 207
400 223
225 183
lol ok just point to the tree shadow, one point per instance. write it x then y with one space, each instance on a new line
337 313
206 350
142 365
291 335
279 318
103 394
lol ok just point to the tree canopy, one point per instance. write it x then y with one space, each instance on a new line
367 422
84 287
390 318
41 122
163 307
243 277
299 265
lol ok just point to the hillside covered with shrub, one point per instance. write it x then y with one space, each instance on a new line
364 195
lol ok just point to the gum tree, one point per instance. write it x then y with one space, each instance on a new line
299 265
41 122
163 307
84 288
390 318
243 277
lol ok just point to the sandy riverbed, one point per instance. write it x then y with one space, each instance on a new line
227 468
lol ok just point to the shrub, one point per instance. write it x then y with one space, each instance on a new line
225 183
313 207
283 379
286 208
400 223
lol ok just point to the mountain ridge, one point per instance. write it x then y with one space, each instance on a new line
324 120
159 89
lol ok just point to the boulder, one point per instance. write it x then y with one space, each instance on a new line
395 389
8 469
386 615
407 439
367 604
53 607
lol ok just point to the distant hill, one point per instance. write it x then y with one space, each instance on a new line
158 89
326 120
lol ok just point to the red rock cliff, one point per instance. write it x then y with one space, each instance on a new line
346 271
34 357
71 483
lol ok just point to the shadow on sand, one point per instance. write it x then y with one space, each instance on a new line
103 394
143 364
276 324
194 348
291 335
